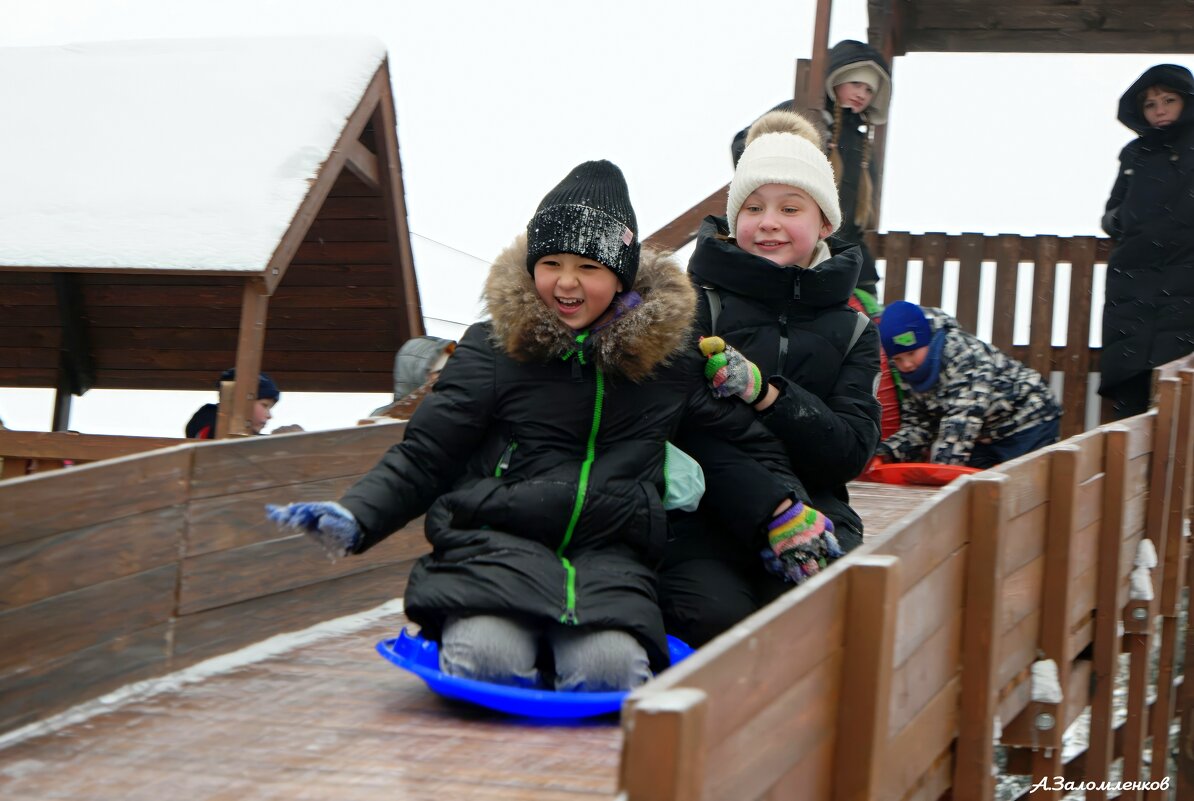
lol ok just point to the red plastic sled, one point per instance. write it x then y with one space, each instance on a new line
924 474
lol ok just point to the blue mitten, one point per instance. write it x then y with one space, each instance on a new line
328 523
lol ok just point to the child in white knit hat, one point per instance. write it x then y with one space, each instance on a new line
780 338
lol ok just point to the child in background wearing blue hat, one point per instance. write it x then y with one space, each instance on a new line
202 424
965 401
539 458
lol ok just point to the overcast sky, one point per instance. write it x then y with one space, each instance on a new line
497 101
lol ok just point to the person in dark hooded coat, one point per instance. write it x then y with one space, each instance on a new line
1148 316
857 98
539 457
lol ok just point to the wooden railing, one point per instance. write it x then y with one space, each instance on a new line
962 257
23 453
889 676
132 567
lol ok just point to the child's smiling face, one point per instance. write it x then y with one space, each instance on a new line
1161 107
781 223
578 290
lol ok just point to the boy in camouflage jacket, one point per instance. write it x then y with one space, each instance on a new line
965 401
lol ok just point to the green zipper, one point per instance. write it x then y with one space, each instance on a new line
569 616
504 462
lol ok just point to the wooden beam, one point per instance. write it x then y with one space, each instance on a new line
975 753
393 192
682 230
872 608
254 308
1105 664
362 163
328 174
666 762
819 64
76 367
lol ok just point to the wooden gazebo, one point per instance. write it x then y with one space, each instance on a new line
171 209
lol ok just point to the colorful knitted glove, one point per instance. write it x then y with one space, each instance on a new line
802 543
729 372
329 524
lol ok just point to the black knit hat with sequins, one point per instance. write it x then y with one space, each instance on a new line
589 214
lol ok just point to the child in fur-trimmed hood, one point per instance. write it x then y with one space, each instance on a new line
539 458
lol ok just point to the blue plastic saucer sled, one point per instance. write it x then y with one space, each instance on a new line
421 657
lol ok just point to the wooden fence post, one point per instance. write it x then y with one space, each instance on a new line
1100 751
975 754
666 762
1055 603
871 611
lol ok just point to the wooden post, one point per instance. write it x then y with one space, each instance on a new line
250 343
1171 581
62 404
975 754
1185 704
1076 364
818 67
394 194
1040 333
970 267
871 612
1138 615
1100 750
662 746
1055 605
932 269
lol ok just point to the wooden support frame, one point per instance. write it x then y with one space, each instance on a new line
362 163
385 127
1172 575
1100 747
1055 603
676 719
972 779
347 147
249 345
682 230
871 615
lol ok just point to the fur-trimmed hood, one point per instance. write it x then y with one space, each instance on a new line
633 345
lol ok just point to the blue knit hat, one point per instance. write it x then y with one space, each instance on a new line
266 388
904 327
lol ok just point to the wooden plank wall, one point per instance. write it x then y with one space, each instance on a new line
949 609
1004 257
132 567
23 453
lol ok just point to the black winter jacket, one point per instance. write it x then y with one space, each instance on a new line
541 465
795 324
1148 318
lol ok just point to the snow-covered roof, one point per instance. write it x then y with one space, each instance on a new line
170 154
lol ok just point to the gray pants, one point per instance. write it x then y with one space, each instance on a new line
505 650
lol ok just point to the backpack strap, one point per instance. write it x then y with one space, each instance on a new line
859 326
715 307
860 321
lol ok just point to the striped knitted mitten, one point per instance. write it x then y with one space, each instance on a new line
802 543
729 372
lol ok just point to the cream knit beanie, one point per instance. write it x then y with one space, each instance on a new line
784 148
